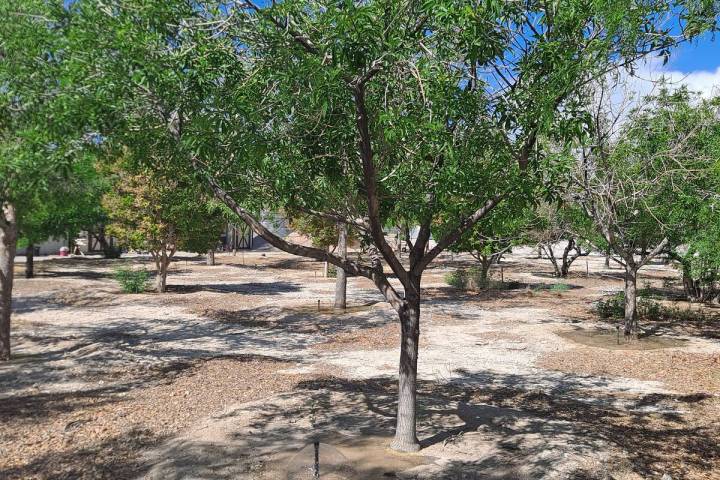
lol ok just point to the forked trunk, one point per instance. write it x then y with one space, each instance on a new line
341 278
631 317
30 261
405 432
210 259
8 246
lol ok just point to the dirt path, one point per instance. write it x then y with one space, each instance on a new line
118 386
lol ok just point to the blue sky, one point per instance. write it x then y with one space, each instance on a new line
701 55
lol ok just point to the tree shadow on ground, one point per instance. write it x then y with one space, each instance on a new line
251 288
484 425
654 439
128 343
300 320
40 404
116 458
509 291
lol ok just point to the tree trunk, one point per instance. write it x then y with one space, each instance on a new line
607 260
341 278
30 261
631 320
405 434
161 275
8 246
210 259
485 263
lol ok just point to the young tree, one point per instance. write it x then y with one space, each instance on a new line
161 216
639 180
559 223
331 236
492 237
409 108
398 97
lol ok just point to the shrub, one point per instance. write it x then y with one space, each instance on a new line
132 281
112 252
560 288
648 308
472 279
457 279
612 307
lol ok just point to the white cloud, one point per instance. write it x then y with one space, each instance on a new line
703 81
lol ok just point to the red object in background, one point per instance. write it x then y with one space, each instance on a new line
64 251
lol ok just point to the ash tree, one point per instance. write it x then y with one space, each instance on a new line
641 179
375 114
424 112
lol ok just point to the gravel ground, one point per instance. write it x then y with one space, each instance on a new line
103 383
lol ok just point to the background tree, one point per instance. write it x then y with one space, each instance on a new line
555 230
331 236
639 180
64 209
492 237
404 107
161 216
699 251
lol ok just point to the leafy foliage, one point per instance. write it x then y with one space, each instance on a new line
159 214
132 281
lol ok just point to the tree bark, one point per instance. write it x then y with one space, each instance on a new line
210 259
485 263
8 247
631 320
30 261
405 430
341 277
161 263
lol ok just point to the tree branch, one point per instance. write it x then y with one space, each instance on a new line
370 180
355 268
456 233
655 251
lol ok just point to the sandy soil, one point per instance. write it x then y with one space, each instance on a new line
237 370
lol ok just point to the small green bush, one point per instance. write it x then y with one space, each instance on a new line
472 279
560 288
613 307
112 252
132 281
648 308
457 279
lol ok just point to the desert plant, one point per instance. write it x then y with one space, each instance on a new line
132 281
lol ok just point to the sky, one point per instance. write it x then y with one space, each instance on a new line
696 65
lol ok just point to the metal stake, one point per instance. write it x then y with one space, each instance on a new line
316 470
